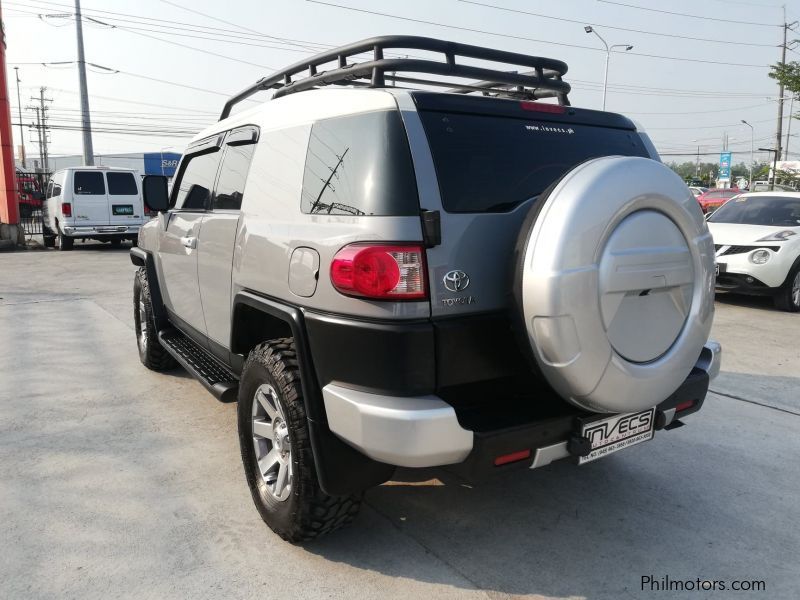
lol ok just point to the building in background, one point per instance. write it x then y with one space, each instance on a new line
147 163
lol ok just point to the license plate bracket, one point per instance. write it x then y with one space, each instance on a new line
120 210
616 432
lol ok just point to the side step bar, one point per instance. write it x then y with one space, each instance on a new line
215 377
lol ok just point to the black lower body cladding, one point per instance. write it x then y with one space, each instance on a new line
412 358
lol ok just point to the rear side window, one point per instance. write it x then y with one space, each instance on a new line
196 181
89 183
492 164
122 184
53 189
359 165
233 176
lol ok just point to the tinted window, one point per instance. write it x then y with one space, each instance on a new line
780 211
233 176
359 165
89 183
122 184
197 180
491 164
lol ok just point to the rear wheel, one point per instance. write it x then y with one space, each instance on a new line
276 450
788 298
49 241
65 242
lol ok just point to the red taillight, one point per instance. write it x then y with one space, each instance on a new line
687 404
542 107
66 209
387 272
513 457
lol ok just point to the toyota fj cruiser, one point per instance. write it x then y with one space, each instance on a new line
389 276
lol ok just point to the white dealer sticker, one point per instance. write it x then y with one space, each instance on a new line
615 433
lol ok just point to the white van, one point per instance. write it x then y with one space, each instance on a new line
99 203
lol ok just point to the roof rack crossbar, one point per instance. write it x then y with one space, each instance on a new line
544 80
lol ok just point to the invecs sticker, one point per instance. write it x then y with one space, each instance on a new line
550 129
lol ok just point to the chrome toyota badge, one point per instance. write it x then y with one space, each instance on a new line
456 281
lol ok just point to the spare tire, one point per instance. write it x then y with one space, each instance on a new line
615 283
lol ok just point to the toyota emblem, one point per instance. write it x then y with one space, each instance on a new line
456 281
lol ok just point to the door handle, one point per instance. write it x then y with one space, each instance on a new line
189 242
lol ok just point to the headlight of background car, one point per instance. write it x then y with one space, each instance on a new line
780 236
759 257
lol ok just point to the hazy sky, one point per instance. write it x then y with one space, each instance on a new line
681 103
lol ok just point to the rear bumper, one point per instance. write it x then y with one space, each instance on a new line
101 231
424 431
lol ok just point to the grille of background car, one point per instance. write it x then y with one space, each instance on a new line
743 249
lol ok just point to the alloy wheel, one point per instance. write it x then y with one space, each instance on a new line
271 443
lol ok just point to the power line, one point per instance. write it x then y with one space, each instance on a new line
616 27
527 39
679 14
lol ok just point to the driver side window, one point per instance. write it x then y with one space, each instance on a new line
197 180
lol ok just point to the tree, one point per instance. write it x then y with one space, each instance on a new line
787 74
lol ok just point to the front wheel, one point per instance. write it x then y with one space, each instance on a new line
276 450
151 352
788 298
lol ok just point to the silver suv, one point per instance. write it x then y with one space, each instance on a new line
387 276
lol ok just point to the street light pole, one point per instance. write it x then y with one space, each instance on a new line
19 112
628 47
750 177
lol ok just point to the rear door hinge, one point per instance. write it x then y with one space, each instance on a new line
431 228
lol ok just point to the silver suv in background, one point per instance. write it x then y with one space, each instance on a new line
385 276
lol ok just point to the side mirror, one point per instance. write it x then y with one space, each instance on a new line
154 192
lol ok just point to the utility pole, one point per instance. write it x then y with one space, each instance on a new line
86 123
21 133
779 131
41 126
38 127
789 128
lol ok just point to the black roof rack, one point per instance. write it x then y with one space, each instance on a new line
543 81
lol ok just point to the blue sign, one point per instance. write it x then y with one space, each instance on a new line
161 163
725 165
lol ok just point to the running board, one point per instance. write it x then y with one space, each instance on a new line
215 377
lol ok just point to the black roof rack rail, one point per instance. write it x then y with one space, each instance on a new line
543 81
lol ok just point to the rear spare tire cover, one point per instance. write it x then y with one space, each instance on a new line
616 284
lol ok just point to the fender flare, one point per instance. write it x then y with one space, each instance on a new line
342 470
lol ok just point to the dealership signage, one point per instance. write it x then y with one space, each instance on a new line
725 166
161 163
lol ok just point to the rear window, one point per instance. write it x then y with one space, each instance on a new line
492 164
779 211
359 165
122 184
89 183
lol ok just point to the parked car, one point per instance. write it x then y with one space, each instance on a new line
766 186
712 199
98 203
386 277
697 191
757 242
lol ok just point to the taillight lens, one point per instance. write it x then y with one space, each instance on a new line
386 272
66 209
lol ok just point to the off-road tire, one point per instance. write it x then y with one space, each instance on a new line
151 352
65 242
784 299
308 512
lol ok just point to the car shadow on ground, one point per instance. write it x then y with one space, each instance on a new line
759 302
563 531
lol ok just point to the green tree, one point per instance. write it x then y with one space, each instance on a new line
788 74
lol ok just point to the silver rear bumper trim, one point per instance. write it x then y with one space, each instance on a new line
710 359
417 431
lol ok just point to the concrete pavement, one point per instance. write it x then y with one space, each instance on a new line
120 482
